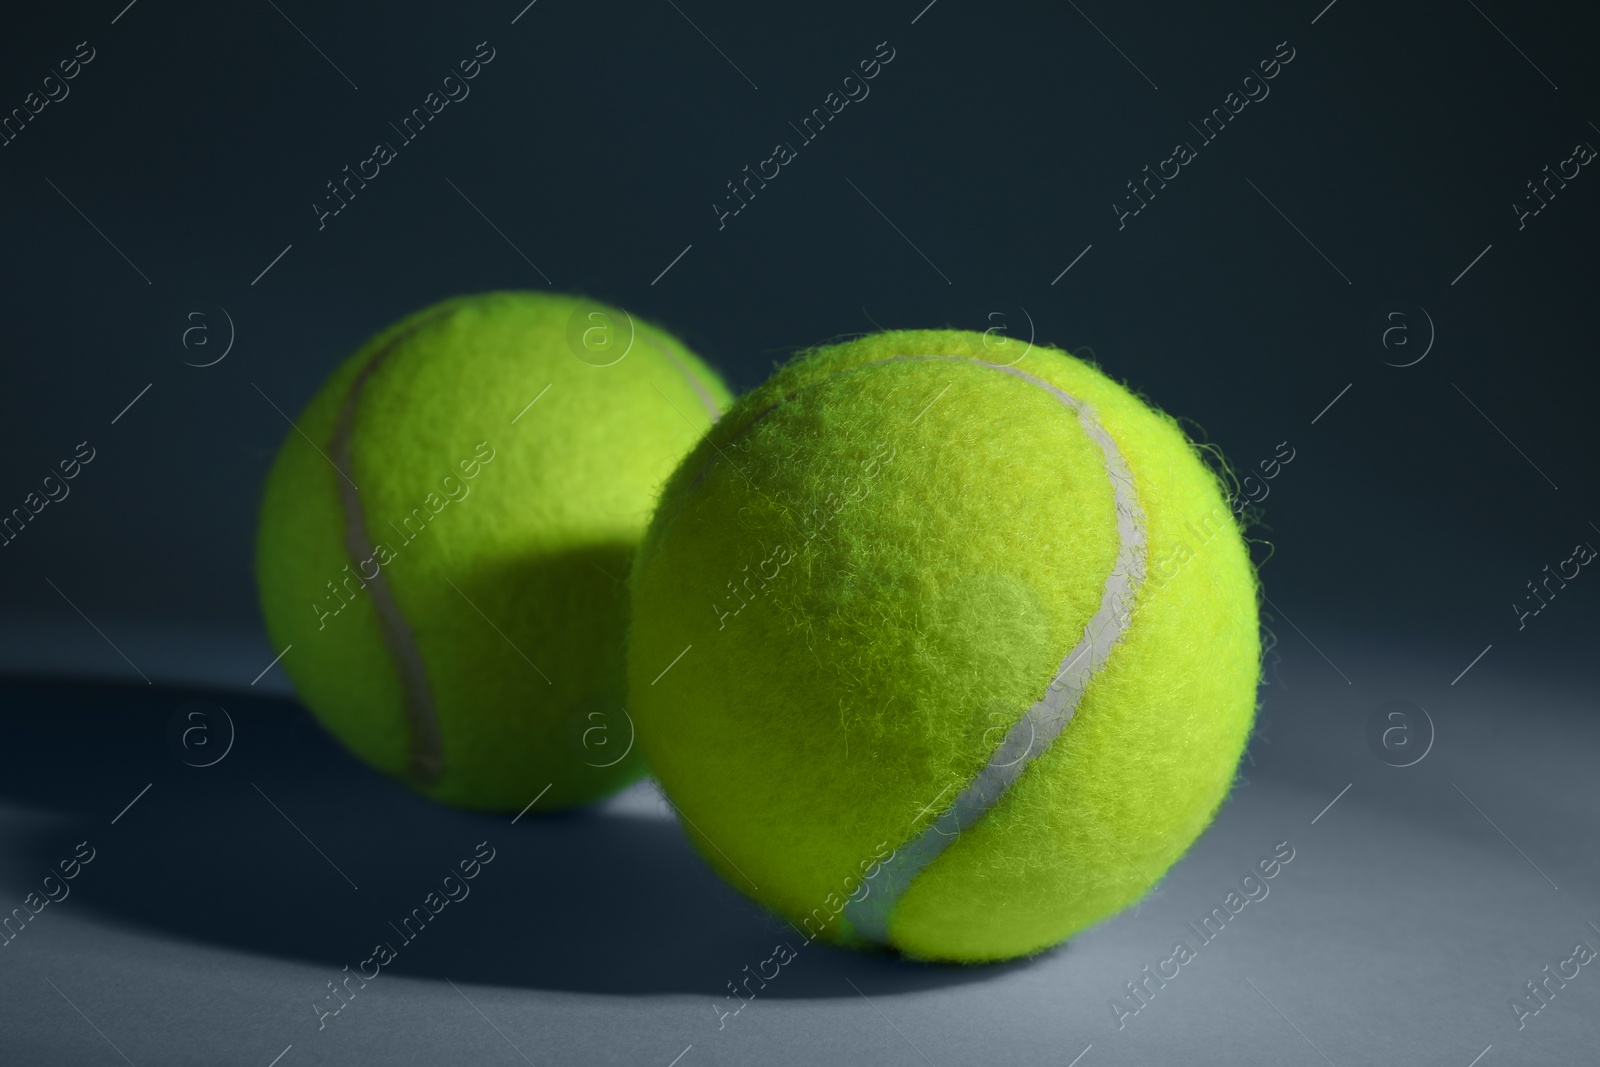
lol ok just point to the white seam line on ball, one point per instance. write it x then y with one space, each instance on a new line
425 752
1038 728
701 393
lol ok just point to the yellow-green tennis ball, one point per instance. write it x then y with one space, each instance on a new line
446 536
942 652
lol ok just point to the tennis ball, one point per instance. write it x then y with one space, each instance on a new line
446 536
943 653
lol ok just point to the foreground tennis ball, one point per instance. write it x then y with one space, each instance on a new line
446 537
940 651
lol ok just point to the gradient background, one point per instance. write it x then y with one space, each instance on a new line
1378 178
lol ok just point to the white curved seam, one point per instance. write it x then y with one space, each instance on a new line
1042 723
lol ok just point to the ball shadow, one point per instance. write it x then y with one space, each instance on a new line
289 847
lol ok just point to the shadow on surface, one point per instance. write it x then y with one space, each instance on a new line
289 847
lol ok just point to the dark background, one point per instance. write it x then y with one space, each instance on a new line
997 140
1245 298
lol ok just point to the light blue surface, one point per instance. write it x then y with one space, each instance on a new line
207 926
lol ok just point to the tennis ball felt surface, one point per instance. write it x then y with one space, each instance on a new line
963 652
446 536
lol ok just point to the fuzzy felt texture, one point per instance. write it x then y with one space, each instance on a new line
876 567
506 546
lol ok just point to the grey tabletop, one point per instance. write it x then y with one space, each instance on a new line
225 895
